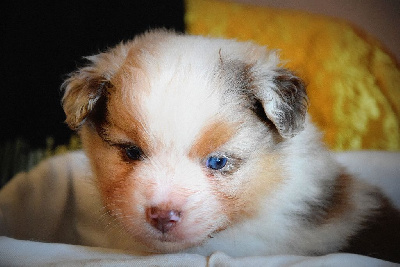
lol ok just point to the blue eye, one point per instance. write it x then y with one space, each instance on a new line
216 163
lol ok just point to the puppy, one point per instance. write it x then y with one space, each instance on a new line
201 144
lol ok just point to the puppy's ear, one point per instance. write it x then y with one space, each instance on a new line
274 94
82 90
284 101
85 89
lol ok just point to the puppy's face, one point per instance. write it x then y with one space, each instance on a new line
182 133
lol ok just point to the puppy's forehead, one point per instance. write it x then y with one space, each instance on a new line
173 90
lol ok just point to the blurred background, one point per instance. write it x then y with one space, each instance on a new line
379 18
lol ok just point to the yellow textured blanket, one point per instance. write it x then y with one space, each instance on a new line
353 84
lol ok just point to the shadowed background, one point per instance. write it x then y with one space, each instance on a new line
42 41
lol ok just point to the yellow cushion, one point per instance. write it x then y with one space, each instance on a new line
353 84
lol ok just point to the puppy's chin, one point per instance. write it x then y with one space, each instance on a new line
171 242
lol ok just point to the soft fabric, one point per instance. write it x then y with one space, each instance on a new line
353 84
28 253
56 202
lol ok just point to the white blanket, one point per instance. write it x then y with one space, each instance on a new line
57 203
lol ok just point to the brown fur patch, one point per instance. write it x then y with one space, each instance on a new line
380 235
267 178
338 202
333 202
212 137
113 175
245 200
124 122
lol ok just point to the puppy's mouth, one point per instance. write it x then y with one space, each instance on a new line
173 233
171 241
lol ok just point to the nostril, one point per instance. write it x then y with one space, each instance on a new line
172 215
163 220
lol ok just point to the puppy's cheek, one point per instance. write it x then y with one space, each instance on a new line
204 216
245 193
112 174
118 189
124 198
123 201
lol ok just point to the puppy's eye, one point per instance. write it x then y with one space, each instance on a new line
216 163
133 153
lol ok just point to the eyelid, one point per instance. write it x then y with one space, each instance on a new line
125 145
220 155
104 135
120 144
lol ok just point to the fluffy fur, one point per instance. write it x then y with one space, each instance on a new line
151 112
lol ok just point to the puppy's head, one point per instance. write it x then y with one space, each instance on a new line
182 132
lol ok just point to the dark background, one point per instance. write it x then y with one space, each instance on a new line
43 41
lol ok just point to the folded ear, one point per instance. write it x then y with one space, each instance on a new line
84 88
284 99
275 94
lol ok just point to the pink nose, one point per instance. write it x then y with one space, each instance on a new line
163 220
